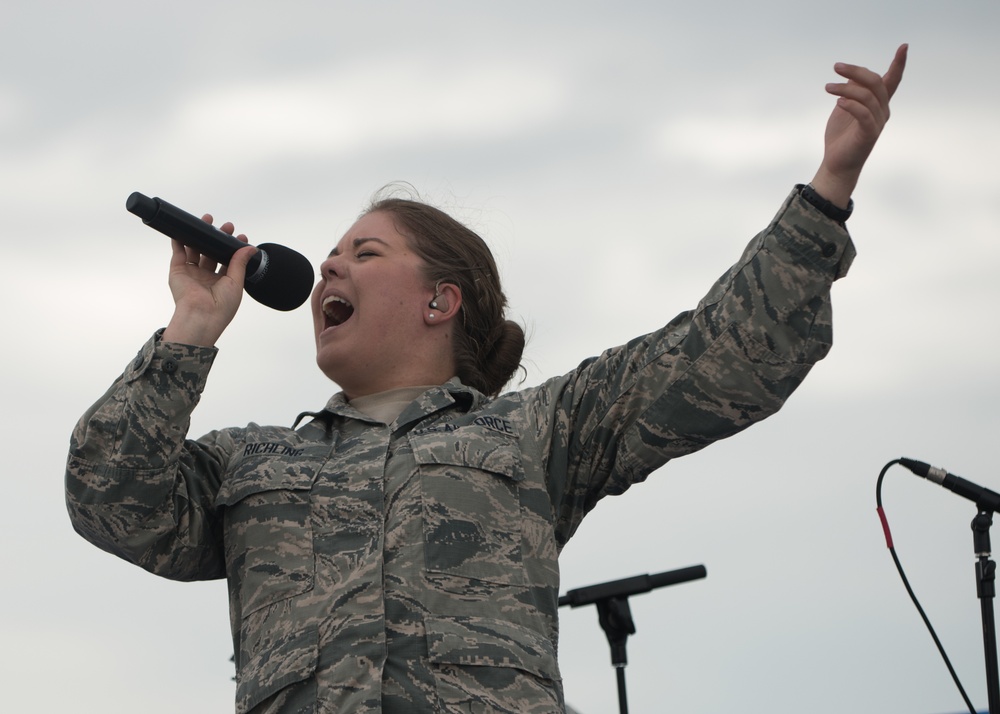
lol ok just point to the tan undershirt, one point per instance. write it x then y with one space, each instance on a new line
386 406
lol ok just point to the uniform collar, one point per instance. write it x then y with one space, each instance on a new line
451 393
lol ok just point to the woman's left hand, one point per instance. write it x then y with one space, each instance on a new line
855 125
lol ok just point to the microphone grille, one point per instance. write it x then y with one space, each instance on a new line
284 279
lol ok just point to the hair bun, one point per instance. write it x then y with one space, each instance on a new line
503 358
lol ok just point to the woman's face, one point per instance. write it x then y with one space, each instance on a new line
369 307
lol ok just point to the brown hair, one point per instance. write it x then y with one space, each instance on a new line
488 347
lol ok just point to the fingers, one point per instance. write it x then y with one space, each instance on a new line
868 106
196 259
226 227
238 263
863 85
894 75
240 257
866 94
868 87
178 254
185 255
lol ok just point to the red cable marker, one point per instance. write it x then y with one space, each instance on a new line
885 528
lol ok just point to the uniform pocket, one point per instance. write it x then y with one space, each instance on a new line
268 537
471 505
487 665
282 660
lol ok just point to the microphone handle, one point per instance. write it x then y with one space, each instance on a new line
190 230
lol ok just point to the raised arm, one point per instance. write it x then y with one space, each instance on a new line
857 120
135 486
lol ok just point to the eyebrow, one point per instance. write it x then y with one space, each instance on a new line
357 243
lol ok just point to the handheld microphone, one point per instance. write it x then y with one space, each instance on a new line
982 497
276 276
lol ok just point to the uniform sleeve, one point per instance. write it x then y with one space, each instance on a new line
135 485
706 375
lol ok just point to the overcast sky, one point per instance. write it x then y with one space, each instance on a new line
617 156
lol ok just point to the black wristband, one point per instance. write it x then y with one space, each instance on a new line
840 215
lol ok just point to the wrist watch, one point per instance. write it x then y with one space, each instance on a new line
840 215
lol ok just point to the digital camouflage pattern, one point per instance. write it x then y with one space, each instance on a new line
412 567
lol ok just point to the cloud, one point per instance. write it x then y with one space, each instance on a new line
734 142
373 107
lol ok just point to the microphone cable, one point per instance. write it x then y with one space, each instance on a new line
909 590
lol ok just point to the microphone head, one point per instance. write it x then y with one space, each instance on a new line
284 279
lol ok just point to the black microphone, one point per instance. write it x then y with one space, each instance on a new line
276 276
630 586
983 497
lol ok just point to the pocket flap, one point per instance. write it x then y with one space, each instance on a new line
470 448
482 641
235 489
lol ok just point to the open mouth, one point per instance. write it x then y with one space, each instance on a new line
337 310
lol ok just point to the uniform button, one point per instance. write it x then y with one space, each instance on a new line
829 250
169 366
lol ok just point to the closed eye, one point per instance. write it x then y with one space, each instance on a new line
359 246
367 247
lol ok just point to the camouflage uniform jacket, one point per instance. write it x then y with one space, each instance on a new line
412 567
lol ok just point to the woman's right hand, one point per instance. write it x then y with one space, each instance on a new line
206 295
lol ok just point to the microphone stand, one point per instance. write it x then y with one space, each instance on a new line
987 503
986 591
615 615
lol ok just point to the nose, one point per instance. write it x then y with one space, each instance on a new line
330 268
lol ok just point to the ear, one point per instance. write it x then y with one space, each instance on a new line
443 306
